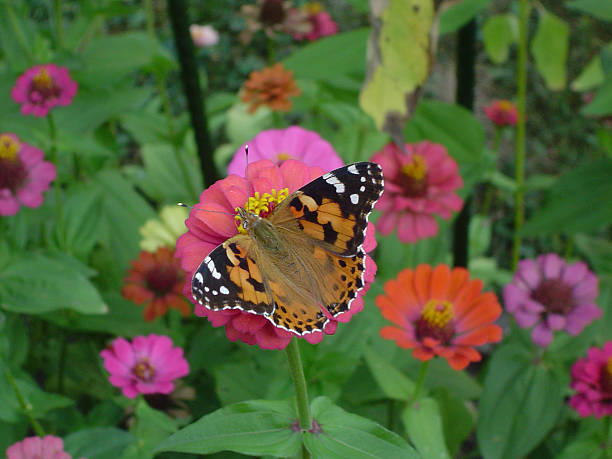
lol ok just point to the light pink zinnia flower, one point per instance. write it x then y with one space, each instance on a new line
419 184
502 113
147 365
43 87
552 295
209 229
203 36
279 145
592 381
23 175
322 23
48 447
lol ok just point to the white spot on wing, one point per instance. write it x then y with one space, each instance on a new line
362 189
354 198
339 188
224 290
353 169
199 277
363 179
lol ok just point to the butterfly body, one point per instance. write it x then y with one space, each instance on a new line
304 263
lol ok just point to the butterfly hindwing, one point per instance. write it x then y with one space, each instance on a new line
334 208
230 279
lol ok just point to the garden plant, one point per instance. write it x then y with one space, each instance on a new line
336 229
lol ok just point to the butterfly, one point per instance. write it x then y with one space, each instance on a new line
304 263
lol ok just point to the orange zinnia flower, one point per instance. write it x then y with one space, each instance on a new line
156 279
440 312
272 87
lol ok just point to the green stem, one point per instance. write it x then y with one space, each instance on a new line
299 383
420 381
59 29
519 210
490 189
25 406
607 435
56 183
271 50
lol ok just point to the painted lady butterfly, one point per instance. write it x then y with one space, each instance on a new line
305 255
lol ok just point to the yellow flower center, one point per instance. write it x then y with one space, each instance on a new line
313 8
438 313
283 157
262 205
42 80
505 105
8 147
144 370
416 169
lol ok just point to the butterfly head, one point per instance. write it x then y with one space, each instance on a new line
247 220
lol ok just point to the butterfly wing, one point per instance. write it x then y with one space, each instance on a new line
334 208
229 278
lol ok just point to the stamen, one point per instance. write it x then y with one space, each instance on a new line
262 205
9 147
144 371
283 157
505 105
438 313
42 80
416 169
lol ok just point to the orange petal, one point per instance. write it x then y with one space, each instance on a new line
466 295
391 311
457 362
490 334
485 310
459 276
422 354
422 280
440 282
401 337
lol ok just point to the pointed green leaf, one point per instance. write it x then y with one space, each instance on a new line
256 427
601 9
459 14
499 33
346 435
393 382
424 426
549 48
98 442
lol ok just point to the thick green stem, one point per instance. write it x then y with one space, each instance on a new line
59 28
299 383
519 175
420 381
271 50
25 406
56 183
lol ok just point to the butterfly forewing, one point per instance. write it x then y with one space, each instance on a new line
334 208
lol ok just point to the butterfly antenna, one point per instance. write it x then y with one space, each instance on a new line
180 204
246 153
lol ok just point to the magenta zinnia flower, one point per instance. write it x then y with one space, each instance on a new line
552 295
43 87
48 447
322 23
147 365
279 145
502 113
206 230
23 175
419 184
592 381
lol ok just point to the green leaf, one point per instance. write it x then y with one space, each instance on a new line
124 318
601 105
14 343
256 427
519 405
459 131
360 5
460 14
41 402
109 58
348 435
38 283
549 48
150 428
82 219
242 126
343 52
424 426
457 420
499 33
393 382
597 250
592 75
601 9
396 71
98 442
565 210
589 447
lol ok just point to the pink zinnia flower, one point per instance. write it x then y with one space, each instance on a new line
23 175
43 87
552 295
592 381
48 447
419 184
279 145
203 36
207 230
147 365
322 23
502 113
